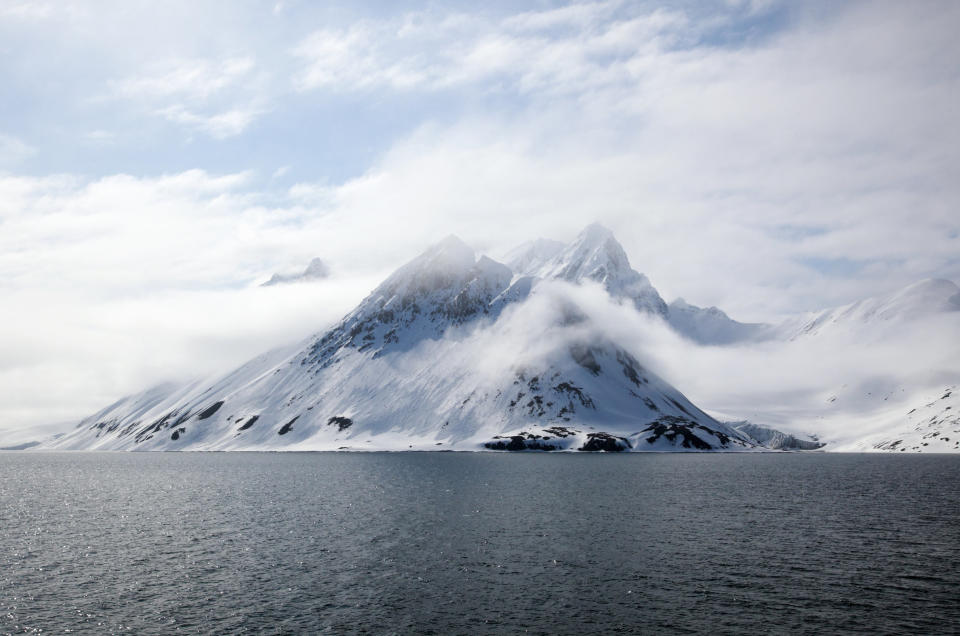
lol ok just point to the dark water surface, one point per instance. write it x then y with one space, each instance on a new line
450 543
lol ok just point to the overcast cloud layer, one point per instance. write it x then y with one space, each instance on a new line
159 161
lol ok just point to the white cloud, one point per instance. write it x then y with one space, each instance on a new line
724 170
430 52
113 284
698 155
218 125
194 79
220 98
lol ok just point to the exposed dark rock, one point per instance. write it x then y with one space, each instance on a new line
583 355
575 391
631 368
210 410
560 431
341 422
176 434
605 442
249 423
519 443
286 427
672 427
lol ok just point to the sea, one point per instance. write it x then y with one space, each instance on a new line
479 543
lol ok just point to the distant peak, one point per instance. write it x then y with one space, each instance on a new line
450 251
596 247
315 270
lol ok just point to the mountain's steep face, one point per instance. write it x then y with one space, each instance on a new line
711 326
450 352
774 439
441 289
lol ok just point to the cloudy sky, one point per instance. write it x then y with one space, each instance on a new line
159 160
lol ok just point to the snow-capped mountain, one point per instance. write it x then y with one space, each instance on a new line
458 352
449 352
920 299
595 256
315 270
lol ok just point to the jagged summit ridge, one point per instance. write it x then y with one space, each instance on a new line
596 256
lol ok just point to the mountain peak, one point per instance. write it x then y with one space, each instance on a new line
595 232
315 270
595 255
450 257
449 249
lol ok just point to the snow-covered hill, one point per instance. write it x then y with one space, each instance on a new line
449 352
925 422
711 326
918 300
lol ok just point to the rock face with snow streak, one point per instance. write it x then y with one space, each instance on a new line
449 352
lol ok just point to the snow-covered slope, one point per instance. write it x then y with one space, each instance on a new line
450 352
711 326
920 299
927 422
